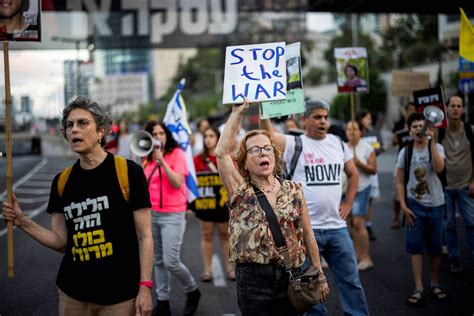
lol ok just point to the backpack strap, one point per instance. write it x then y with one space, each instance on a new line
408 155
120 168
441 133
63 177
470 138
296 156
122 175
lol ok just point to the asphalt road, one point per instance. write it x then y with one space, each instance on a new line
33 292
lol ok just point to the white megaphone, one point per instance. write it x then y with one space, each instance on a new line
142 144
433 115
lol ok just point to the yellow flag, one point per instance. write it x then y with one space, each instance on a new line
466 38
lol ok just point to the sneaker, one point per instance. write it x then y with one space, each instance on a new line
371 233
444 250
365 265
192 302
395 224
455 265
324 263
162 308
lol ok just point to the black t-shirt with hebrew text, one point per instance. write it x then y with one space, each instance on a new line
101 264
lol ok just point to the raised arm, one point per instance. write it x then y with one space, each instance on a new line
278 138
230 176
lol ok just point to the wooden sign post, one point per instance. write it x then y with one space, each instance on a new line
8 149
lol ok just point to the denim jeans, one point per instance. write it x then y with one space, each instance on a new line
466 207
426 231
337 248
360 206
262 290
168 231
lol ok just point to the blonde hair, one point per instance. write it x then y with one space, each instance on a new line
241 155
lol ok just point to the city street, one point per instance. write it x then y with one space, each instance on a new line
32 291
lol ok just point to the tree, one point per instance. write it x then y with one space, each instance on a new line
375 101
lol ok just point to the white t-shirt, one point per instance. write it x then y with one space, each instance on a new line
319 169
363 152
198 146
423 184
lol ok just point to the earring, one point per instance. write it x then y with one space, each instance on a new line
99 141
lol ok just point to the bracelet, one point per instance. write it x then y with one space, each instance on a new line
148 284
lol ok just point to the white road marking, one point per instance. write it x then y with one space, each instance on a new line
33 200
41 184
218 272
26 177
31 214
32 191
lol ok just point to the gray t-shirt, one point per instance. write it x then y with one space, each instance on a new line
423 184
459 167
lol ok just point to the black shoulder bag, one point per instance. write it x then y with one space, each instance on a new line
303 289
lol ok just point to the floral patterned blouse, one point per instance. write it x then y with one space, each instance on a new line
250 237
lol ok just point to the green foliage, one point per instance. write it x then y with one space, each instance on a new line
374 101
204 77
314 76
413 40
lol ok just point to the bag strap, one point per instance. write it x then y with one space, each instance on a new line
296 156
121 169
63 177
470 138
273 224
211 165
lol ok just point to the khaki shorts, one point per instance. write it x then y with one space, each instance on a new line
72 307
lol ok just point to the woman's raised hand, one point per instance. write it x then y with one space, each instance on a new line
242 107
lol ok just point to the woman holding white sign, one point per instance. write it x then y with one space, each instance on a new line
262 278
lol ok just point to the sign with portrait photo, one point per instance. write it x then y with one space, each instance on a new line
257 72
352 70
20 20
294 102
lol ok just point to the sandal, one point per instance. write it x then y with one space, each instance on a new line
231 275
206 277
415 298
439 293
395 224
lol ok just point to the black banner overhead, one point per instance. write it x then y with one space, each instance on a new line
110 24
334 6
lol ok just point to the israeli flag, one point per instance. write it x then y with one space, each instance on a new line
177 122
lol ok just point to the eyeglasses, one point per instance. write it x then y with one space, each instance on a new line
81 123
257 151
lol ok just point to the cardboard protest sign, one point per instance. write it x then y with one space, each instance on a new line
432 96
20 21
294 102
405 82
352 70
257 72
211 203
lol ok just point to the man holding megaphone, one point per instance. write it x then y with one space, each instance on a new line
422 200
